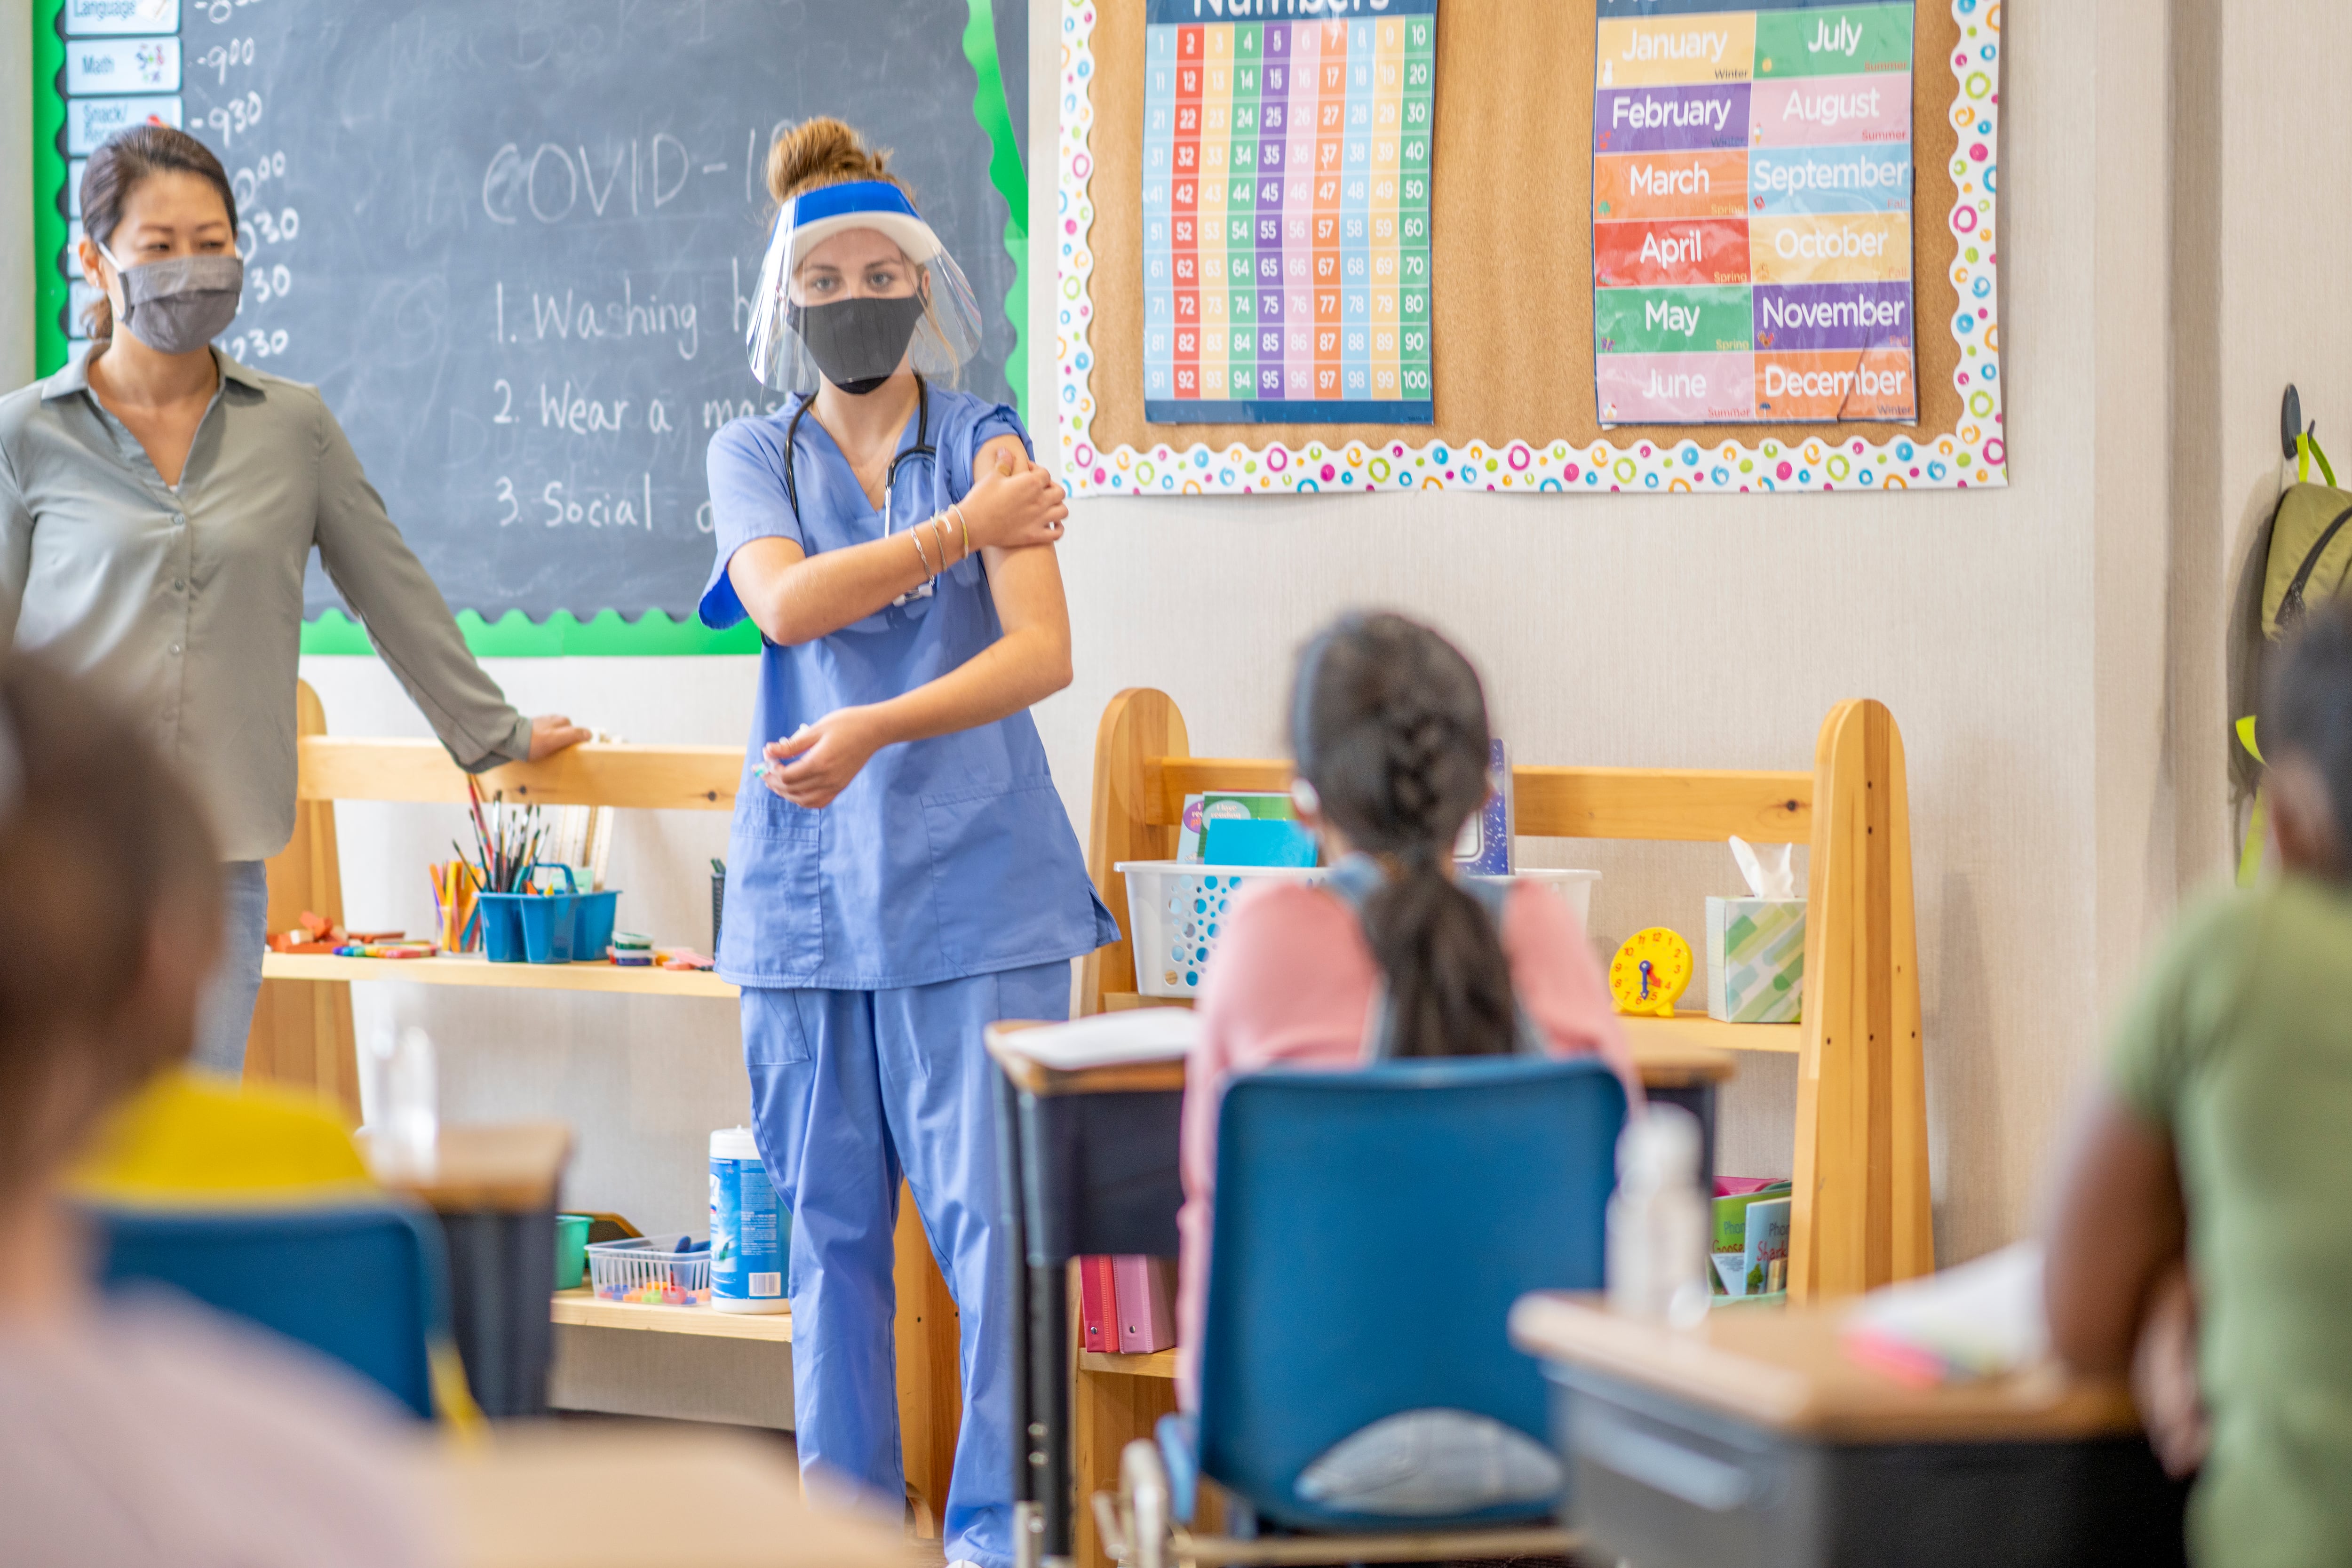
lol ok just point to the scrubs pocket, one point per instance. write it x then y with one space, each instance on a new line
774 924
772 1032
1006 875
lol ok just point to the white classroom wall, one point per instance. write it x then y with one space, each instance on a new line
2053 651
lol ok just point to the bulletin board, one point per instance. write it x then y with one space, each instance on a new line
1512 285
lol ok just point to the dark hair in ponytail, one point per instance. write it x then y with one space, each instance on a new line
1389 725
115 170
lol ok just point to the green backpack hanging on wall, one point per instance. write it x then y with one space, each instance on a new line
2310 554
2307 561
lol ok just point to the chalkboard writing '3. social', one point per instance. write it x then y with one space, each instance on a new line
514 244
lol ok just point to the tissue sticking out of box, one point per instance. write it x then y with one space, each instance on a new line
1767 870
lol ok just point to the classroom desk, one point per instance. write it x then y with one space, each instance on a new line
561 1497
494 1190
1755 1439
1088 1164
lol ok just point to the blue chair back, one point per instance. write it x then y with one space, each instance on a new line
363 1283
1372 1229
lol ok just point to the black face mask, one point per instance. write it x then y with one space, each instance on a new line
857 344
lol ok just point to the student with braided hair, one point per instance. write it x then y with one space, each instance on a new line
1393 956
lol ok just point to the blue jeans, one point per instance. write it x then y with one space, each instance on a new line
224 1017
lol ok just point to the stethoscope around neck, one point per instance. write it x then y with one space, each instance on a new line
921 449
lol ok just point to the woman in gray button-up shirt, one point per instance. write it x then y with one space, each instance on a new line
158 504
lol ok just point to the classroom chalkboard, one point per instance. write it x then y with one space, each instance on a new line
513 242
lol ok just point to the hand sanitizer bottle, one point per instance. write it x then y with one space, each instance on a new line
1658 1220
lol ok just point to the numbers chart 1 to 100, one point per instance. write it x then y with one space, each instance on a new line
1286 211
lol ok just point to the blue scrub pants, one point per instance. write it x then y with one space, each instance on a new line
849 1089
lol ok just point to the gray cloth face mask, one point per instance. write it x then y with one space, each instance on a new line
179 304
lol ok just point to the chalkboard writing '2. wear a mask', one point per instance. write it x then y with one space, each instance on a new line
857 344
181 303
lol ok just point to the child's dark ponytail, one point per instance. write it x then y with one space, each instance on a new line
1389 725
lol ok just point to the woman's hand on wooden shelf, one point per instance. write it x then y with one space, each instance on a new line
554 733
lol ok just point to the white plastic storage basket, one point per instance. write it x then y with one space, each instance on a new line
1174 912
1576 887
633 1269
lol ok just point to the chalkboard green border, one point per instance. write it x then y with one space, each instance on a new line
51 291
514 634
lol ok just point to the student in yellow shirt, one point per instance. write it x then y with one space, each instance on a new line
138 1432
2207 1204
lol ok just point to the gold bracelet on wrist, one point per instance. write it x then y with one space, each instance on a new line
955 509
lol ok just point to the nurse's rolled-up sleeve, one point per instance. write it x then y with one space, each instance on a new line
993 421
16 551
745 465
406 617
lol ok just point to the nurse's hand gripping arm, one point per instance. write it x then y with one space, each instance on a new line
1014 504
1030 662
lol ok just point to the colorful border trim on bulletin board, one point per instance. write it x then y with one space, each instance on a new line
1975 455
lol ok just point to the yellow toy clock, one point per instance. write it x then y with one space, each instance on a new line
1650 972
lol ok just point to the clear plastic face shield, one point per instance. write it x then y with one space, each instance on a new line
854 287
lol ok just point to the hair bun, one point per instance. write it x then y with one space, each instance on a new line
819 152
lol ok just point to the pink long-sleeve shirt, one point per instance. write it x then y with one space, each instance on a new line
1292 985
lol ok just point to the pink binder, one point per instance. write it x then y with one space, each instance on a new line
1146 1289
1097 1304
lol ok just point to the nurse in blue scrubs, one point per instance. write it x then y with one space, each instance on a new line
901 871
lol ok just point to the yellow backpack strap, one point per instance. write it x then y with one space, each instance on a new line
2250 854
2306 447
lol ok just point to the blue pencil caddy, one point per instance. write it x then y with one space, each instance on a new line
548 919
592 925
502 925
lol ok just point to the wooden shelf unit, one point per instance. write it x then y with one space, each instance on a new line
470 969
1860 1215
303 1031
582 1308
1147 1363
1685 1029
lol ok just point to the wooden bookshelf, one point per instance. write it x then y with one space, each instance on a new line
1152 1363
582 1308
1696 1030
465 968
1647 1036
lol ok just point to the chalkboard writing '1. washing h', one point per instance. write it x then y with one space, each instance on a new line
514 245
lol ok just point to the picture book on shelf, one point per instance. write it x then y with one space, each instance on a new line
1736 1197
1236 806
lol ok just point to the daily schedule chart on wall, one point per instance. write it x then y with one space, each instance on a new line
1751 211
1286 211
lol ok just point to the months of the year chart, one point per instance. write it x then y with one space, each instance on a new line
1286 211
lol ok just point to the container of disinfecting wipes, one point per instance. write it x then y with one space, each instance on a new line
750 1232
